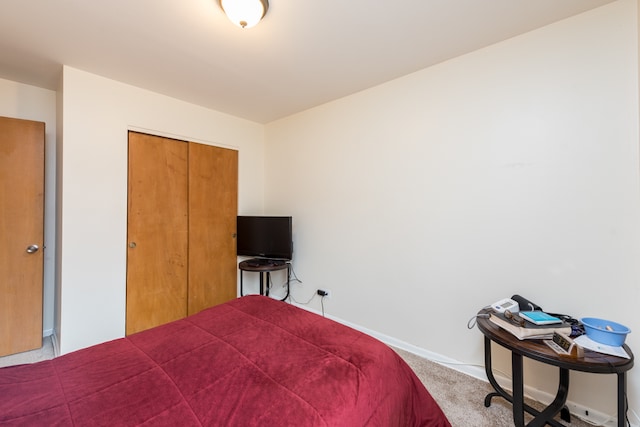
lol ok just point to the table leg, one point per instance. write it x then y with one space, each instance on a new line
268 284
261 283
558 403
288 279
500 392
622 402
518 389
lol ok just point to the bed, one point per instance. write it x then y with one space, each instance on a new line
253 361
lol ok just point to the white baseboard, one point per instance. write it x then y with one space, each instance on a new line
477 371
54 340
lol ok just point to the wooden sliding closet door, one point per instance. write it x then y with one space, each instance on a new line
157 255
213 208
21 234
183 200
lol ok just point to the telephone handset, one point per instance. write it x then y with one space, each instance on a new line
525 304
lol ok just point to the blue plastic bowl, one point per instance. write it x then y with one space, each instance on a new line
605 331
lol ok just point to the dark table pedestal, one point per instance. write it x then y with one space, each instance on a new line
592 362
264 268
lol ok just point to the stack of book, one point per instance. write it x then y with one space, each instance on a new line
528 329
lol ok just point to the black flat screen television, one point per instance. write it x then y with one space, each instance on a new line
265 237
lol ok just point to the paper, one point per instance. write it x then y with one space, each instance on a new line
586 342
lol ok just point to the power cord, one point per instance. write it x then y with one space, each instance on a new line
295 279
472 322
322 303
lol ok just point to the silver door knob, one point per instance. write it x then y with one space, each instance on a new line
132 245
32 249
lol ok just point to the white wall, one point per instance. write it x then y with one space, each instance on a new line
513 169
97 112
510 170
32 103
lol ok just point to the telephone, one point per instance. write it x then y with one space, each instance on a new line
504 305
525 304
514 304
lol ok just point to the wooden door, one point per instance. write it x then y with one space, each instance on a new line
157 254
21 227
213 208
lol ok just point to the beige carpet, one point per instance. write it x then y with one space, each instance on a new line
44 353
460 396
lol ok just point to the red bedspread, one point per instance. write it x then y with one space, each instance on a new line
253 361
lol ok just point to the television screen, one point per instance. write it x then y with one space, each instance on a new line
265 237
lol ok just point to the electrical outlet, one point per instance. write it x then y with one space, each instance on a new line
324 293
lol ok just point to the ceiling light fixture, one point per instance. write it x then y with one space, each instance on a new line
245 13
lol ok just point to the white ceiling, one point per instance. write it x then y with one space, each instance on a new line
304 53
